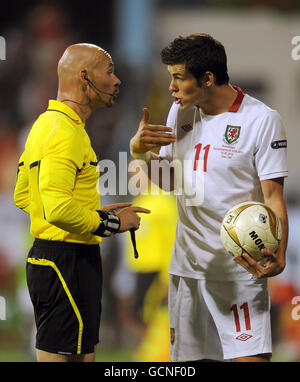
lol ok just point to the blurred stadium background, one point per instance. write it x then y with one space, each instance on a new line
257 35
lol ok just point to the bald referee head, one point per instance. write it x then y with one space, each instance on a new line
86 79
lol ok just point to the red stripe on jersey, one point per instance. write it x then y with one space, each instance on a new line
239 98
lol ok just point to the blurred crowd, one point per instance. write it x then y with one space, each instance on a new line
135 317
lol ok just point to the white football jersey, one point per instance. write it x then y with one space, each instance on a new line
219 161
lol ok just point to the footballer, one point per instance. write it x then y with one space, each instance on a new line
219 309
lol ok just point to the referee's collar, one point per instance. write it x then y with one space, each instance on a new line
61 107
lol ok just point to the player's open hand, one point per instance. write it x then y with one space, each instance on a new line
130 219
150 136
272 265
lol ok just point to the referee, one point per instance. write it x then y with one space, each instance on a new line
56 185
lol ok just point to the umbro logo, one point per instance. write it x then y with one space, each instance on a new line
187 127
243 337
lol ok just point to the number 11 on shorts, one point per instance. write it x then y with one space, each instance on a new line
245 308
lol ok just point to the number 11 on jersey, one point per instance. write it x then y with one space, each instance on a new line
198 148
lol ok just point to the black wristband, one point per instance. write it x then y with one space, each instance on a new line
109 224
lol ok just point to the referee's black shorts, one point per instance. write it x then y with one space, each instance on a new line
65 287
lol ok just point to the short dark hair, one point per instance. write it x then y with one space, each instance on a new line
201 53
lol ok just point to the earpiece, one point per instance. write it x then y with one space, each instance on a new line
95 87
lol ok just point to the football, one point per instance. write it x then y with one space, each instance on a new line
250 227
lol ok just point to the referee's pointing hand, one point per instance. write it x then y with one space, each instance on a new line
116 206
129 218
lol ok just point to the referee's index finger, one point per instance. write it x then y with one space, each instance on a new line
140 209
116 206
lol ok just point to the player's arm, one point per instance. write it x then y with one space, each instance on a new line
21 192
275 264
273 196
270 162
147 138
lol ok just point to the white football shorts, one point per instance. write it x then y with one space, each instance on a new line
218 320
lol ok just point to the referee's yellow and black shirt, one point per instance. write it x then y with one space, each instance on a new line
57 178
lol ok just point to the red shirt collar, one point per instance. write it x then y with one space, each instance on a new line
239 98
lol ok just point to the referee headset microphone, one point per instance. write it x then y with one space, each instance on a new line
95 87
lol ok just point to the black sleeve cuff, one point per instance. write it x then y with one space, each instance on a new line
109 224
